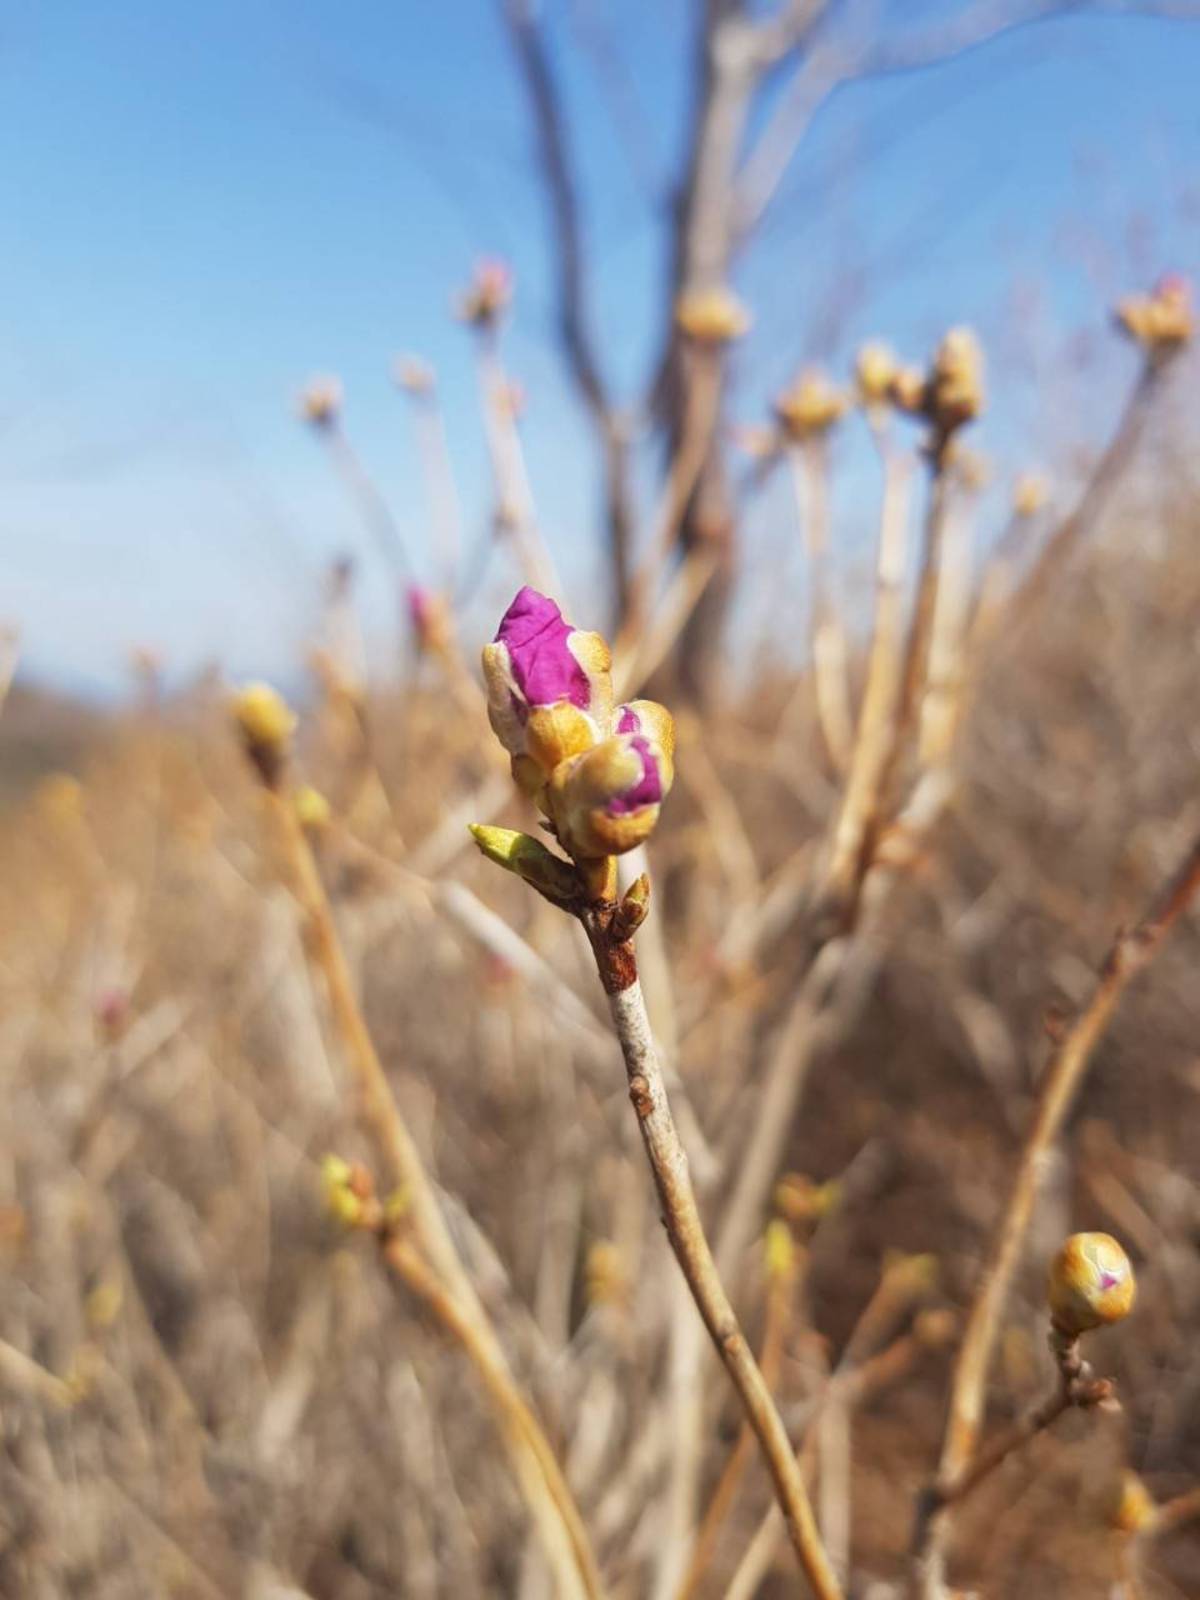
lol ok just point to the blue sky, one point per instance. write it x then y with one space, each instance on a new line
206 203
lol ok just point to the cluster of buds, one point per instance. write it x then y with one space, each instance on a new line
489 295
1090 1284
811 407
320 401
266 723
951 394
599 772
1163 321
350 1197
711 317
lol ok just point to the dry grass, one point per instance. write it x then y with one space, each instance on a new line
207 1389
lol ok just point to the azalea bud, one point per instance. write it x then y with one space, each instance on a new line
342 1200
811 406
875 371
1030 493
312 808
549 688
1161 322
320 401
266 724
414 376
907 390
1091 1283
607 801
633 910
489 295
1135 1507
711 316
954 394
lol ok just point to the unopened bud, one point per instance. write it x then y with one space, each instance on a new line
266 724
1090 1284
779 1251
529 859
1135 1508
711 316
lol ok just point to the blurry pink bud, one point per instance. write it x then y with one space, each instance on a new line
430 617
112 1011
489 295
320 401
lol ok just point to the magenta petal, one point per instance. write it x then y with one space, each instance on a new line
647 790
628 721
543 667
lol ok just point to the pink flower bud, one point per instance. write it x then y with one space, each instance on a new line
607 801
1091 1283
549 691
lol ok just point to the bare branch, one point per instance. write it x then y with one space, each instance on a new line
822 72
778 35
553 152
574 331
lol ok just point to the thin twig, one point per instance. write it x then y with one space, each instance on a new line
1131 952
546 1492
618 973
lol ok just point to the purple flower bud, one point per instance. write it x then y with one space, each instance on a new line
535 634
648 789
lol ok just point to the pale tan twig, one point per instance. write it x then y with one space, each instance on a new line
861 796
1131 952
646 651
23 1373
941 704
700 420
1077 1386
778 1314
376 514
618 973
848 1388
809 462
1108 470
515 505
546 1492
445 506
